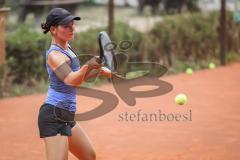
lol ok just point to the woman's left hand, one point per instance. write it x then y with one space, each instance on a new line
109 74
105 72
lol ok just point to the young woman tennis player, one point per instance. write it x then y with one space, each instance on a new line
65 74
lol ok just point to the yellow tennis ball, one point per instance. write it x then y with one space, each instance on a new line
181 99
189 70
211 65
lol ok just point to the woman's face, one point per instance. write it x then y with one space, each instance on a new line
64 32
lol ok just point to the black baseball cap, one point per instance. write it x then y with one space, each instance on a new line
59 16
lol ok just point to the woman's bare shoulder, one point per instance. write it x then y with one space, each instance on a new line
56 58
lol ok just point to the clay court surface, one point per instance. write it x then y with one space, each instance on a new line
213 133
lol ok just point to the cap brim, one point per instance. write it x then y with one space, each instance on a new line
69 19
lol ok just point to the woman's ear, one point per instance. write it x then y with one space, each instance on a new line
53 30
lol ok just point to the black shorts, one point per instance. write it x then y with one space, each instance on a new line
50 123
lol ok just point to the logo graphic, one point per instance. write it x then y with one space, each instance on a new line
152 71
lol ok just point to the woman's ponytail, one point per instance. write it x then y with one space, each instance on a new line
45 27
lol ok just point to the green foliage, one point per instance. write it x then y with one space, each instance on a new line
232 57
26 54
124 32
9 88
177 41
233 34
189 38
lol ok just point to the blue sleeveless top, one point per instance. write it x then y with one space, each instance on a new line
59 94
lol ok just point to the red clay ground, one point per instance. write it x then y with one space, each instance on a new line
213 133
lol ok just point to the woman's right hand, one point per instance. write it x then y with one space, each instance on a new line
94 63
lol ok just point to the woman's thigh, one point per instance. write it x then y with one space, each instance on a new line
56 147
80 145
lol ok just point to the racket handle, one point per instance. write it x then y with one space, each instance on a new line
99 61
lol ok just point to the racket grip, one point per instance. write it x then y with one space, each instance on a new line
99 60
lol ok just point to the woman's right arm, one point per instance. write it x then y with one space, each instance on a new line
58 63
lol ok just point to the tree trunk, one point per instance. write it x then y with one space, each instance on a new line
3 12
223 33
110 18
